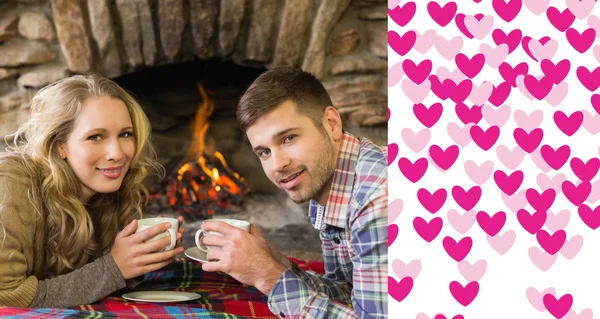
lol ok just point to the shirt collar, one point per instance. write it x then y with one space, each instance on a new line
342 183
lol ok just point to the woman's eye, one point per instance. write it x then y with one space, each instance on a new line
127 134
96 137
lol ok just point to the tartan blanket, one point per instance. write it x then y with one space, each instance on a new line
222 297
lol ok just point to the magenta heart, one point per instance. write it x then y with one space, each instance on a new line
529 142
531 223
585 171
491 225
576 194
413 171
403 14
596 102
581 42
555 158
558 308
485 139
509 74
470 67
500 94
392 233
464 295
442 15
560 20
392 152
417 73
558 72
402 44
460 23
428 116
540 202
568 124
508 184
512 40
507 10
468 115
538 88
444 159
590 217
551 243
466 199
591 80
457 250
432 202
399 290
428 231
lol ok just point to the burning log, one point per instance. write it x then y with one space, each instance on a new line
202 185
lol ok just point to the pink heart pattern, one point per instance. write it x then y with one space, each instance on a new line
494 155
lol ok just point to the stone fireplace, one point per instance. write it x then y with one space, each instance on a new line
160 50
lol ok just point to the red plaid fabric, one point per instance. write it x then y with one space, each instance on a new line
222 297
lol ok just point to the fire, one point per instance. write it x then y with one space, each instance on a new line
204 184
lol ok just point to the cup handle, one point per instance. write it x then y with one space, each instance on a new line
173 236
197 238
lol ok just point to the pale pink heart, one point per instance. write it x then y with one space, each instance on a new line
591 122
461 223
411 270
460 136
479 28
395 74
416 142
481 94
494 57
557 94
595 194
544 182
472 272
535 297
394 209
529 122
495 116
393 3
416 92
558 221
502 243
581 8
456 76
536 7
597 53
425 41
511 159
594 22
541 259
584 314
520 81
543 51
448 49
571 247
421 315
515 201
539 161
479 174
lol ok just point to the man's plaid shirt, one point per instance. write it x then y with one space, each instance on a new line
354 230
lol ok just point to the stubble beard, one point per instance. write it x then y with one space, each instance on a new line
321 180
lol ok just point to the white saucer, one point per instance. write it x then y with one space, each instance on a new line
161 296
196 254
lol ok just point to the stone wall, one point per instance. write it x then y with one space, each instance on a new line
343 42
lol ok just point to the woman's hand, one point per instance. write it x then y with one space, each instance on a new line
135 257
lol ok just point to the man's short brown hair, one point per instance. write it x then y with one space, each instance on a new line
279 85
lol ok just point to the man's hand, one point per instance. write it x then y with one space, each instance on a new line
244 256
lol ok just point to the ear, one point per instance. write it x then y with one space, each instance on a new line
333 123
62 151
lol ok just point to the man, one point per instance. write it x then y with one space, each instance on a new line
297 134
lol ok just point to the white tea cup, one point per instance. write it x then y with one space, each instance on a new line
241 224
171 232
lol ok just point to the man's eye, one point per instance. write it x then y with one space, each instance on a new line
264 153
96 137
289 138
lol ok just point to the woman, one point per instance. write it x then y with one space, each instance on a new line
71 183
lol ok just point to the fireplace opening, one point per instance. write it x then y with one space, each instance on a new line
190 106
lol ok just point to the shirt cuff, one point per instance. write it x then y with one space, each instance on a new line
290 293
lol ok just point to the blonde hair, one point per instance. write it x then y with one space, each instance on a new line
76 232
